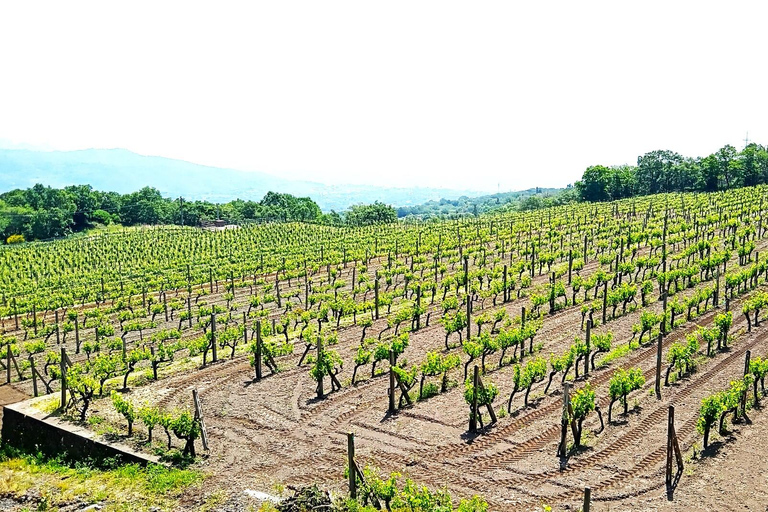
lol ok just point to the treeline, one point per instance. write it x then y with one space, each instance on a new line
464 206
666 171
42 212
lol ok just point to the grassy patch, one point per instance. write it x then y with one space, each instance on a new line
128 487
616 353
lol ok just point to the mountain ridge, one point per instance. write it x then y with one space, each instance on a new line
124 171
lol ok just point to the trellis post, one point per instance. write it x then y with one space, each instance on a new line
257 357
469 317
562 448
588 338
587 499
351 465
63 367
391 408
658 367
473 415
214 352
673 447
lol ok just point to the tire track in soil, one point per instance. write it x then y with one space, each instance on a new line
459 450
317 413
645 425
519 451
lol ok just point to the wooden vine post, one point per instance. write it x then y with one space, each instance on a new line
8 357
58 330
552 294
587 499
34 375
214 353
77 334
588 338
15 314
746 389
469 317
473 412
63 368
658 367
320 392
716 298
506 292
352 467
376 294
392 409
665 285
257 356
477 385
673 447
562 448
355 474
605 299
199 418
418 307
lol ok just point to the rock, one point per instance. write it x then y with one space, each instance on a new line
93 507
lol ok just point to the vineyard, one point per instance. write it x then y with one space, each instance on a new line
520 357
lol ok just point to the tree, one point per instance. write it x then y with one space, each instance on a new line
655 171
594 183
367 214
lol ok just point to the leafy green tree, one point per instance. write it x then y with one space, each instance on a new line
367 214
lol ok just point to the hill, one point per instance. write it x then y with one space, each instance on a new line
123 171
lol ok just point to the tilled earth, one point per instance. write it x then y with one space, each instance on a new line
275 432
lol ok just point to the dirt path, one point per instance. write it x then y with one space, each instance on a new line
9 395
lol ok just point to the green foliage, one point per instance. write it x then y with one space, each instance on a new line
667 171
624 382
485 395
328 362
583 401
124 407
365 215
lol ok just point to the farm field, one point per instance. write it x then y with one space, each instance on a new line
533 300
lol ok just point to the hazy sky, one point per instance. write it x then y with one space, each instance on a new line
462 95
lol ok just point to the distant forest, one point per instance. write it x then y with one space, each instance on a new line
41 212
530 199
666 171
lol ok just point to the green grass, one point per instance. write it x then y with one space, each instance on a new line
616 353
127 487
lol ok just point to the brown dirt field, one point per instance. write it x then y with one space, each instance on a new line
275 431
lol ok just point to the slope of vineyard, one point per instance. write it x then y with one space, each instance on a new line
568 294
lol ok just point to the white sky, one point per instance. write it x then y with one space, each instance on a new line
461 95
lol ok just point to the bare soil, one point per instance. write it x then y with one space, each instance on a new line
275 432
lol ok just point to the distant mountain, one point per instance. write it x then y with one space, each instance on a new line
123 171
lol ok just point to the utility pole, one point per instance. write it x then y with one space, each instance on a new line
181 209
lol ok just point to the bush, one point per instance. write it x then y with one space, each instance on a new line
101 217
15 239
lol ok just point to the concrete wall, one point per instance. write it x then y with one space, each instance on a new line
32 431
